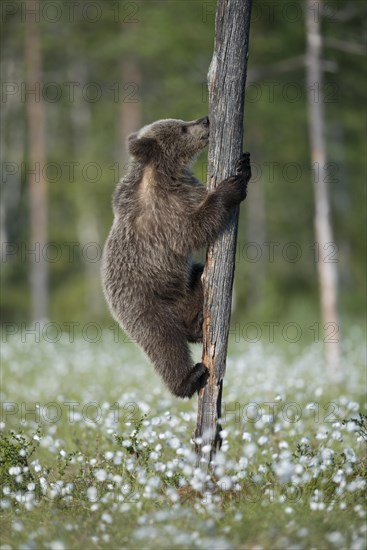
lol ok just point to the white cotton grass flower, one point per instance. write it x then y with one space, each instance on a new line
322 434
106 518
356 485
172 494
92 494
327 456
250 450
336 538
352 426
336 434
284 470
100 474
17 526
14 470
174 443
349 454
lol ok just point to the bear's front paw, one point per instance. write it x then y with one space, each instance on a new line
243 174
234 188
243 167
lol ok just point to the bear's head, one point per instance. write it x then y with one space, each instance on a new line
170 140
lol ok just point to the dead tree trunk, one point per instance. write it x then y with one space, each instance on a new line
226 80
37 158
327 269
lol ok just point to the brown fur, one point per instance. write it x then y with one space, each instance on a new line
162 214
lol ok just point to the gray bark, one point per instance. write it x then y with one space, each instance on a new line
36 118
226 80
327 270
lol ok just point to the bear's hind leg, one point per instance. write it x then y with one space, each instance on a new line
163 337
192 308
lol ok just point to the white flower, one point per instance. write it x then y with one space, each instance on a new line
322 435
356 484
92 493
107 518
225 483
284 470
349 454
100 474
249 450
15 470
335 538
352 426
174 443
17 525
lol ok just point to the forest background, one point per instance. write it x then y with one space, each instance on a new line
105 69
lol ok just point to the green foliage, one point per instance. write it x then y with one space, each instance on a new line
135 447
171 44
15 452
361 423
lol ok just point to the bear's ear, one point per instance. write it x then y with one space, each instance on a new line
144 148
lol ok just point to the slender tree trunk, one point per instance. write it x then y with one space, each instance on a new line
87 222
226 79
37 158
12 144
327 269
130 113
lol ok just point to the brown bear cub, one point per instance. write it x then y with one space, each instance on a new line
162 213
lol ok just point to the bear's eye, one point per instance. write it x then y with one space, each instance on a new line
184 129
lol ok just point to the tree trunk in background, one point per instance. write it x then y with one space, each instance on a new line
37 158
327 269
87 222
12 146
130 97
226 79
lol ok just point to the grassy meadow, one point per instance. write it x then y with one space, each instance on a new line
95 453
